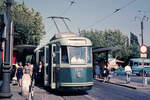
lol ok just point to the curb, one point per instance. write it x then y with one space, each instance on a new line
132 87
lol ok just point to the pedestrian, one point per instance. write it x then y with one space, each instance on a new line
128 72
40 73
26 79
106 73
97 71
19 73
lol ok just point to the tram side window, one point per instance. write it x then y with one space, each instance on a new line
56 55
47 55
64 55
89 55
54 58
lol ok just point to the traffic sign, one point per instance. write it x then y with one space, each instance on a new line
143 55
143 49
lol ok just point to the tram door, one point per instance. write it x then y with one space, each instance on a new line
55 59
46 65
53 65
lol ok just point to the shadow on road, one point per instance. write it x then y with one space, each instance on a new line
66 93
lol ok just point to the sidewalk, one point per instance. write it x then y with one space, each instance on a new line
132 85
39 94
16 93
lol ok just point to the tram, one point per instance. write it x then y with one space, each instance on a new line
67 60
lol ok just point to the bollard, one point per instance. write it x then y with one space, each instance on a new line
145 81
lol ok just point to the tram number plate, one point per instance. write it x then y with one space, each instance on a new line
78 72
78 69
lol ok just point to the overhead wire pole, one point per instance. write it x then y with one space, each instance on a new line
142 19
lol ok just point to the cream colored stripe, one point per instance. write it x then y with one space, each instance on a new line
77 84
76 67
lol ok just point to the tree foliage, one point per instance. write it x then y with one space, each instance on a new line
113 38
28 26
2 5
134 46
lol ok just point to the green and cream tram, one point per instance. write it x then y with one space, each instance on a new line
67 62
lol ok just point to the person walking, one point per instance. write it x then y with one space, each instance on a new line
26 79
19 73
106 74
97 71
128 72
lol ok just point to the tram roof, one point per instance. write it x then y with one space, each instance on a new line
64 35
67 38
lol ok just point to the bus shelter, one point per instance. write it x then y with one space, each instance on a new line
105 50
20 52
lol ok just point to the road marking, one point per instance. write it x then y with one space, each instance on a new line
90 97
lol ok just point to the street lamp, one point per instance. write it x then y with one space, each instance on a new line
5 88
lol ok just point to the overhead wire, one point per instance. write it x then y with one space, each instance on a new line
72 2
111 14
67 9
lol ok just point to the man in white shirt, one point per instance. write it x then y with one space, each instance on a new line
128 72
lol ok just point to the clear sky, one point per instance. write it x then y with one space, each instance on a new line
96 14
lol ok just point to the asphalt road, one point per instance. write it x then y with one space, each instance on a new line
107 91
100 91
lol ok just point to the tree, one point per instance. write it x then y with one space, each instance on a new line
2 5
109 38
134 46
28 26
133 39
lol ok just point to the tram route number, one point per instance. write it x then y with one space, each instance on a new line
78 69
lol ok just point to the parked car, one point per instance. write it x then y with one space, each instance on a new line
120 71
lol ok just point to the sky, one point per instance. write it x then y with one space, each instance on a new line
95 14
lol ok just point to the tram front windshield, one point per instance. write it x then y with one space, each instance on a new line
78 55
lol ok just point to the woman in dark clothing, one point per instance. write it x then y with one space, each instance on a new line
40 73
19 73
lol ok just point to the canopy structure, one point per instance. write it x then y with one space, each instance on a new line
105 50
22 51
27 48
